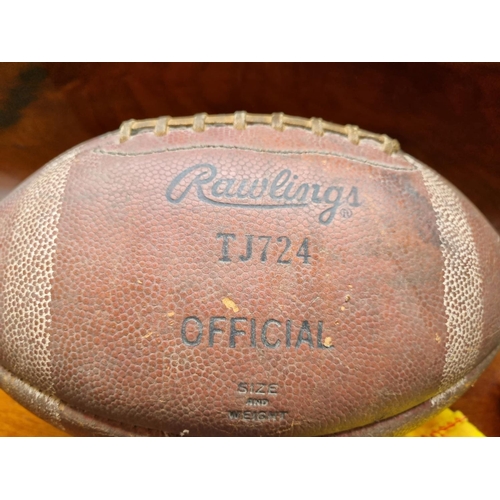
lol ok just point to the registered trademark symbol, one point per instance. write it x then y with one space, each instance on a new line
346 213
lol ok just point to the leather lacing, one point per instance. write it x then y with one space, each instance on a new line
239 120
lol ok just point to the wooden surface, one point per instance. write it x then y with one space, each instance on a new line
15 420
446 115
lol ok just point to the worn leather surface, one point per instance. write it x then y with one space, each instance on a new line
173 298
443 114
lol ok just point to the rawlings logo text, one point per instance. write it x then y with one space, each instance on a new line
281 192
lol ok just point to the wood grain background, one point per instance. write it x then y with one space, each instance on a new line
447 115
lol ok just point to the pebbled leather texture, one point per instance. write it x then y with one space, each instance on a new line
243 282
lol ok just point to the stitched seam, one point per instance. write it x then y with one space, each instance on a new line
411 168
240 119
436 432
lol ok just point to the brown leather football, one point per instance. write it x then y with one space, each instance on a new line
243 275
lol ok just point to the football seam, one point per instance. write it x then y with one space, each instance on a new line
240 119
410 168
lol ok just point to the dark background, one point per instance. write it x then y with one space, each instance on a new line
446 115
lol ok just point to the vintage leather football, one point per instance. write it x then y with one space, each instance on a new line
243 275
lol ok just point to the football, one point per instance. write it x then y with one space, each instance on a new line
243 275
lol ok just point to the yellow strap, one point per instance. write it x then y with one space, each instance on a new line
447 424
